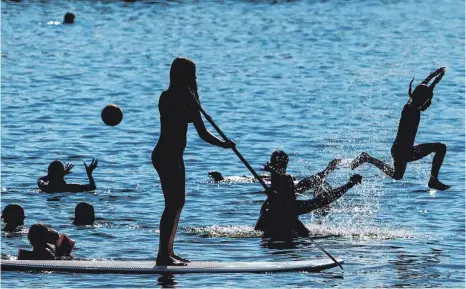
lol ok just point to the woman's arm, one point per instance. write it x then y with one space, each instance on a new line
206 135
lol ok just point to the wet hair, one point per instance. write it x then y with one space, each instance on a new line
278 161
68 18
38 234
56 169
182 72
421 94
84 214
12 213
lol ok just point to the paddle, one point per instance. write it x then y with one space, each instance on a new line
267 190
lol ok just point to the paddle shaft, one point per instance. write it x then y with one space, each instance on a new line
220 132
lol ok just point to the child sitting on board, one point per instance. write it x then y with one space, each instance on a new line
403 148
54 181
279 215
47 245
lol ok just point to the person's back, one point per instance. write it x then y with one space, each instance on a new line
407 128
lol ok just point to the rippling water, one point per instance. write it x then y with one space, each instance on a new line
318 79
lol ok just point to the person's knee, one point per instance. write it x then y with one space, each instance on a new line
398 175
441 148
175 204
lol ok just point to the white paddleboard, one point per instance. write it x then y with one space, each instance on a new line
149 267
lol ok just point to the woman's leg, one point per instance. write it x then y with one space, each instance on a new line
171 179
177 218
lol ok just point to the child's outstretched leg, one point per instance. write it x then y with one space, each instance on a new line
396 173
440 149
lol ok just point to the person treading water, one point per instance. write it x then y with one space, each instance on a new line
403 148
178 108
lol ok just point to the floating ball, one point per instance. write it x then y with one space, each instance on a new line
112 115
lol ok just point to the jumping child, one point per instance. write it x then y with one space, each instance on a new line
403 148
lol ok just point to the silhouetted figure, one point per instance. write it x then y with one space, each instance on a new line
403 148
47 245
178 107
84 214
68 18
279 215
54 181
13 217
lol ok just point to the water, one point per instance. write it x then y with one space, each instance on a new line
318 79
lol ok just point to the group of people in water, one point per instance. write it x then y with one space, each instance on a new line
178 106
47 243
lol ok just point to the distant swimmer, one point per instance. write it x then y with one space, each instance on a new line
403 148
279 215
178 106
68 18
47 245
84 214
54 181
13 217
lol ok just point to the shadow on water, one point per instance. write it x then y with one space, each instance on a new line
167 281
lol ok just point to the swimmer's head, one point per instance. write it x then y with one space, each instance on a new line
56 170
38 235
182 73
421 97
278 162
68 18
13 215
84 214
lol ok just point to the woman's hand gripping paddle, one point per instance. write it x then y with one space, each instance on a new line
269 192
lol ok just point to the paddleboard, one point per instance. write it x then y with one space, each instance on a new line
149 267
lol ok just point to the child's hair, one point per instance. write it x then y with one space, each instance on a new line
84 214
12 212
38 234
278 161
182 71
421 93
56 169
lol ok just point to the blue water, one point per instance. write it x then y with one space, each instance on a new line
318 79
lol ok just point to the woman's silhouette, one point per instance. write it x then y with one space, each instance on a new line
178 106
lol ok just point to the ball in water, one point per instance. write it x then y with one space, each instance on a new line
112 115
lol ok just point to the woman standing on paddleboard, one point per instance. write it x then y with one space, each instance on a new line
178 106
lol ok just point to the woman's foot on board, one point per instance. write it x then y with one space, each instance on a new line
437 185
180 258
169 261
363 157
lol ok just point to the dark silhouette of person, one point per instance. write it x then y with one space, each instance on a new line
13 217
68 18
47 245
84 214
54 181
178 106
403 148
279 215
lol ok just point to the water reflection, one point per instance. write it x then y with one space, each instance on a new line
167 281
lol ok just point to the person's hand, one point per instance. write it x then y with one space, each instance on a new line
229 144
333 164
356 179
68 168
91 167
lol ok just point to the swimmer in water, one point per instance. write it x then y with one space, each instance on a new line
178 106
84 214
54 181
403 148
47 245
13 217
279 215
